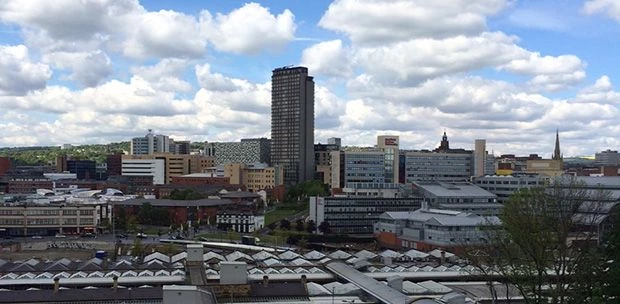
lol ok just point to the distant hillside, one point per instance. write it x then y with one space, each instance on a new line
30 156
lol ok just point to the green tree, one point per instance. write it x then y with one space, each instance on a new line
299 225
325 228
611 286
138 249
311 226
285 224
537 243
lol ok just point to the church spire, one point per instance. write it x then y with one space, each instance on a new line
556 152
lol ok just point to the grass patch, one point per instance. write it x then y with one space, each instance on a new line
285 210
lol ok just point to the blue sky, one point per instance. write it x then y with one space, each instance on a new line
509 71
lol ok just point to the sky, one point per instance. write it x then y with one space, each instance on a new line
511 72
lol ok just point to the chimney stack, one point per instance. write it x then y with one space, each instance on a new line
56 284
304 279
115 283
443 257
265 280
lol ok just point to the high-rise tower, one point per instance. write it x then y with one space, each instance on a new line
292 123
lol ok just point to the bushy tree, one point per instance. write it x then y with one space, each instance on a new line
285 224
311 226
299 225
538 248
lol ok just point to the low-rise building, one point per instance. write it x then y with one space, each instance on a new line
356 215
426 229
241 219
25 219
459 196
503 186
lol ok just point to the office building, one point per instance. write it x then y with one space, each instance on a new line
356 215
176 164
180 147
292 123
254 177
84 169
22 219
503 186
145 167
246 151
607 158
426 229
150 144
461 196
322 159
432 166
388 144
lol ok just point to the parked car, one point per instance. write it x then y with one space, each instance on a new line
60 235
121 236
142 235
37 237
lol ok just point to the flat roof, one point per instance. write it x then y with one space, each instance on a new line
174 203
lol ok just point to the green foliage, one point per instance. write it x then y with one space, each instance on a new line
285 224
138 249
534 247
284 211
311 226
612 263
151 215
30 156
185 195
299 225
302 191
325 228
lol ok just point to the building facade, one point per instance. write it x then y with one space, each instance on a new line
461 196
503 186
607 158
246 151
50 219
426 229
156 168
149 144
356 215
431 166
292 123
84 169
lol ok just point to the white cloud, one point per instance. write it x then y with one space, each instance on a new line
166 75
249 29
68 19
87 68
164 34
327 58
610 8
18 74
385 21
550 72
416 60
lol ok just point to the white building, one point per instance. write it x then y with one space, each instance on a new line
426 228
145 167
150 144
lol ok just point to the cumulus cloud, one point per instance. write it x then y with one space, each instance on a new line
609 8
68 19
327 58
249 29
18 74
87 68
166 75
384 21
164 34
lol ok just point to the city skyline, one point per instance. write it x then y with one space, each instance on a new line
511 72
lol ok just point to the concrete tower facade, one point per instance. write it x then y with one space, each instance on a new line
292 123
